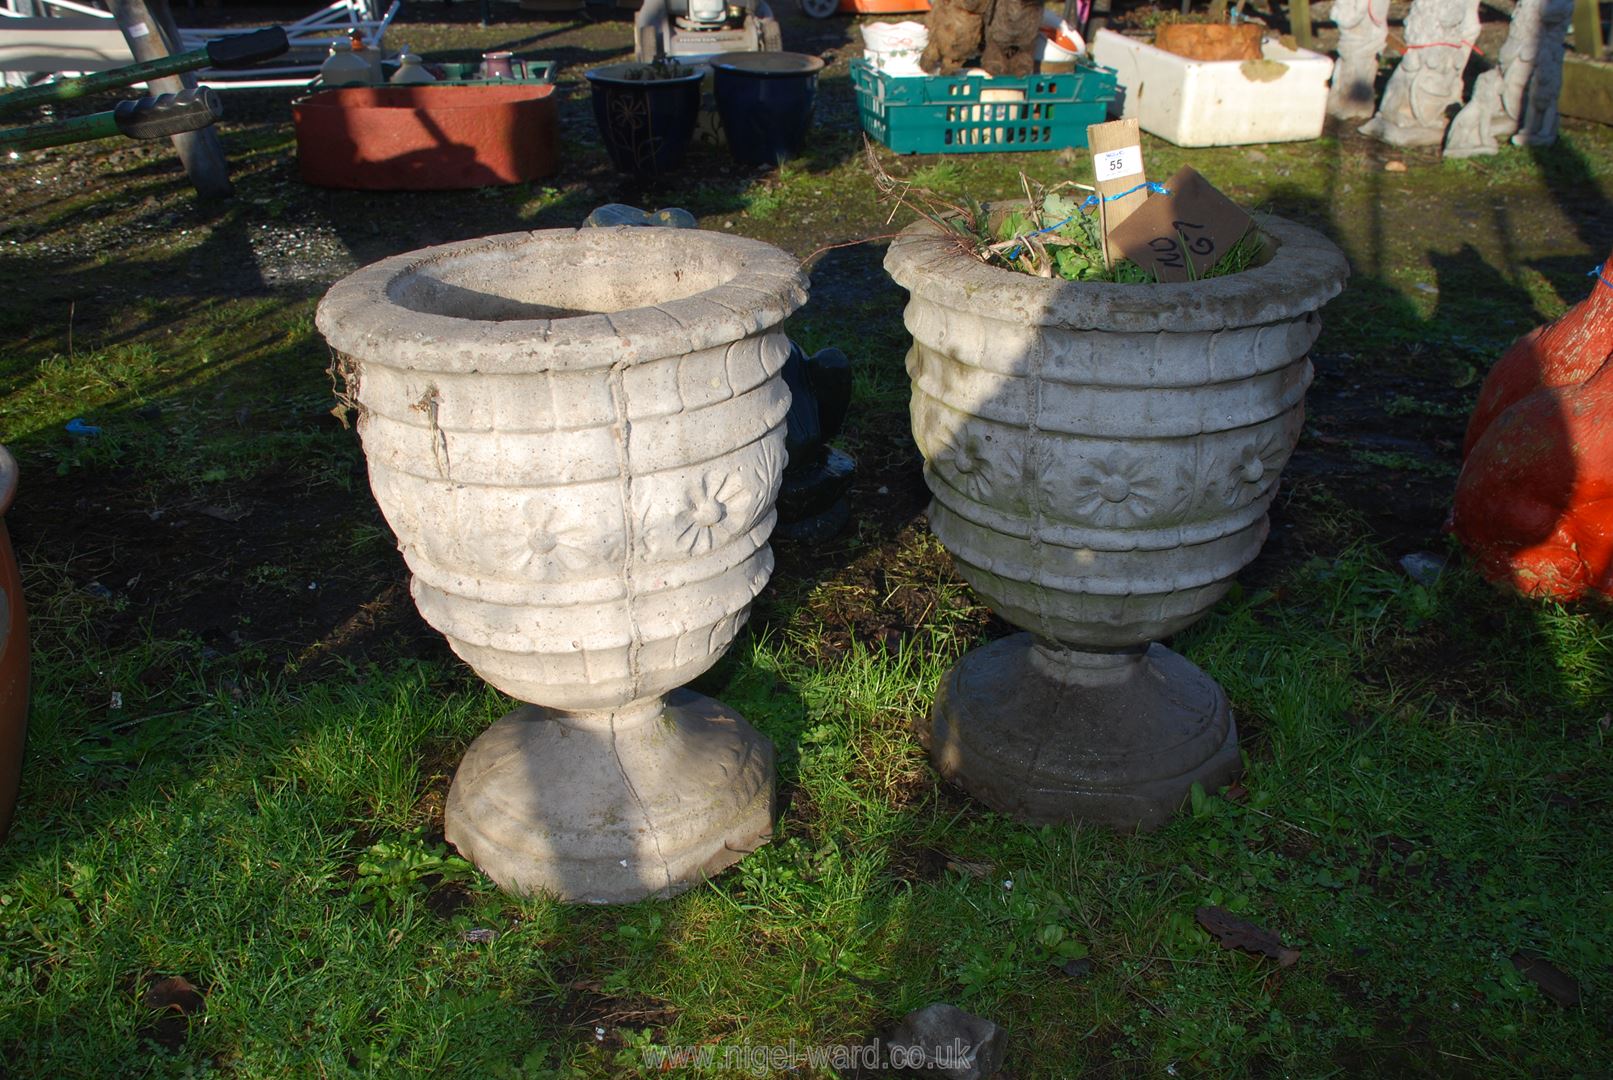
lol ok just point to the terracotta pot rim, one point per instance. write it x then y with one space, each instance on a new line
417 97
360 317
1305 271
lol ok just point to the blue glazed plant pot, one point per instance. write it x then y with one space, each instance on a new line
765 101
646 122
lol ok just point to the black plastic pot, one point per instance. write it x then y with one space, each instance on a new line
646 123
765 101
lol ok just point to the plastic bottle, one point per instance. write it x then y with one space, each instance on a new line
370 56
342 67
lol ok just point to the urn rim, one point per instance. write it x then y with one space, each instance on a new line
759 285
1306 270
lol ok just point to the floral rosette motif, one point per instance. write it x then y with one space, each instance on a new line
978 465
1117 489
556 542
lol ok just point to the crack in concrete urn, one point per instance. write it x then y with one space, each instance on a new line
577 438
1102 458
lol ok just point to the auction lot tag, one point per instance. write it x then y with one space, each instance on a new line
1180 235
1118 164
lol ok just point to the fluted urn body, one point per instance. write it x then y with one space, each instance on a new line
1102 458
577 437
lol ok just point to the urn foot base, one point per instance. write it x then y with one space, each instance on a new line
609 808
1114 739
819 528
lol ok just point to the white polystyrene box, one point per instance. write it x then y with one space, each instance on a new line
1212 102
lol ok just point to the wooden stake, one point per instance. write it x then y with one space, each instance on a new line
1588 29
1117 165
1299 21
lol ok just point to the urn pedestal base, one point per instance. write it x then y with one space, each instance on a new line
613 806
1049 735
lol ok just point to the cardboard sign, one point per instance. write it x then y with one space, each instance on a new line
1117 167
1181 235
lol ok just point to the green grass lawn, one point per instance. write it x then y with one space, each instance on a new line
242 736
267 841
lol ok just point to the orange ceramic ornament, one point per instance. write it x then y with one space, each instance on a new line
1561 353
1534 502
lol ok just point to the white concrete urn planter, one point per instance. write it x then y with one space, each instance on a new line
577 437
1102 458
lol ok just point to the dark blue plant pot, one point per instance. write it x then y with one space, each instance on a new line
646 123
765 100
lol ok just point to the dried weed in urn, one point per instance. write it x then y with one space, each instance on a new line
1055 233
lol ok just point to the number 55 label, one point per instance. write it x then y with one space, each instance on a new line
1118 164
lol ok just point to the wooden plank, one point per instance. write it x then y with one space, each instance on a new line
1588 29
1104 140
1299 21
1587 89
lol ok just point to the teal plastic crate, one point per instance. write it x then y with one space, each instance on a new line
537 71
945 114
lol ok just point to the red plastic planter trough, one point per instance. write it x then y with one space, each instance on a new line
424 138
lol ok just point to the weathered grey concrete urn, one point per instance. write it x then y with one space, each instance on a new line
577 437
1102 458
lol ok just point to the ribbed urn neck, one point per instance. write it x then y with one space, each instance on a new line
1086 667
629 716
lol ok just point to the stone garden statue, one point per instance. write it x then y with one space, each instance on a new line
1363 29
1539 123
1439 38
1518 97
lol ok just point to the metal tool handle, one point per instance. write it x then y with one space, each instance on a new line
236 51
144 118
168 114
243 50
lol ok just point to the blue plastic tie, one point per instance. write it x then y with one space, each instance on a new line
1596 272
1156 189
1089 203
77 426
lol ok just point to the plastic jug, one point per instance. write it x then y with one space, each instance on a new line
411 69
342 67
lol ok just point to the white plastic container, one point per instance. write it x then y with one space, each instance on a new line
411 70
895 48
1217 102
344 67
1059 41
1049 51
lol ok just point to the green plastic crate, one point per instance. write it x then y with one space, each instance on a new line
461 74
944 114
